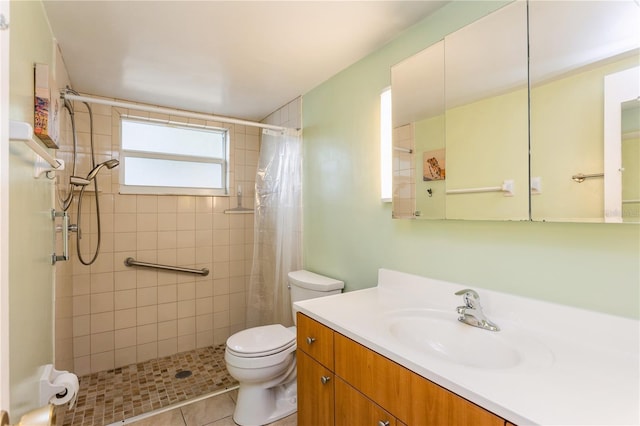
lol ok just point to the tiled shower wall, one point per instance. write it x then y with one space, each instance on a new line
404 184
110 315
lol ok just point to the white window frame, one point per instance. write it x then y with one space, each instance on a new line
173 190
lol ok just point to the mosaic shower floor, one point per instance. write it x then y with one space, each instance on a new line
115 395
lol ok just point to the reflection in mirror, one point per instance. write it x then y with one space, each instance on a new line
621 123
418 135
486 98
630 129
573 47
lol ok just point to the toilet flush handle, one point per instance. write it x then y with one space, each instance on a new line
310 340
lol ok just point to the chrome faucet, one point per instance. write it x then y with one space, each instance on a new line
471 313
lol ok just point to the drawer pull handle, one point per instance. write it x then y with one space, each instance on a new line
325 379
383 423
310 340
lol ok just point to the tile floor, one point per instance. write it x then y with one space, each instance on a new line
213 411
116 395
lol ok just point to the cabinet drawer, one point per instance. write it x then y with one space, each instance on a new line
315 392
353 408
315 339
434 405
381 380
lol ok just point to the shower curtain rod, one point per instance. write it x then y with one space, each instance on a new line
169 111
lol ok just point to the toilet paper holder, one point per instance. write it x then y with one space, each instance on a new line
50 390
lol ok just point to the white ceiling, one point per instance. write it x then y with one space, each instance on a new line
242 59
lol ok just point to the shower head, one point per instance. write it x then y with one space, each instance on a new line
80 181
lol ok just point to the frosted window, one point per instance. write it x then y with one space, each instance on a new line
170 139
170 158
181 174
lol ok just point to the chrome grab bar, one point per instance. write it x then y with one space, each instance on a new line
130 261
65 236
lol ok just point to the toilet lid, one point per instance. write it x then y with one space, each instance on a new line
261 341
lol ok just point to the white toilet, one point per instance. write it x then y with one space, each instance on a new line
262 359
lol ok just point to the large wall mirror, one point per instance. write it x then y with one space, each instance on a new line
574 47
460 123
473 140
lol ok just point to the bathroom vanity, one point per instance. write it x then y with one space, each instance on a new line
344 383
396 354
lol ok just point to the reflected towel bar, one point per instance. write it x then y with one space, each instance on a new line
580 177
506 188
407 150
130 261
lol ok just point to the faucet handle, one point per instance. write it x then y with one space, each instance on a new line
469 296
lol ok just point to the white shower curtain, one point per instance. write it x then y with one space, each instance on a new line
277 228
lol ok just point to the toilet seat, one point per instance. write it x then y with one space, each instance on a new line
261 341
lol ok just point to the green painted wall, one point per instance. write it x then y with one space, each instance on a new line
567 124
349 233
30 225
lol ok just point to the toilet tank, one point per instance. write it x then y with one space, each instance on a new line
308 285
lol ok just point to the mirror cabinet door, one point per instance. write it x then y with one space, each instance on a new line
486 97
563 147
630 154
574 47
418 135
460 123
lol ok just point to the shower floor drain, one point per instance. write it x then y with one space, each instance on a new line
183 374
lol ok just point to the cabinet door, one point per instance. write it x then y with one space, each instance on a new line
353 408
315 339
315 392
433 405
380 379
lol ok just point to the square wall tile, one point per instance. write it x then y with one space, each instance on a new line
147 203
102 322
125 356
81 346
167 347
186 326
102 302
147 315
125 299
204 339
81 325
147 333
147 351
167 204
102 361
125 318
147 296
102 342
186 308
125 338
167 329
102 282
186 343
167 311
186 291
167 293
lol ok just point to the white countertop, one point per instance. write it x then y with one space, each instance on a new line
587 373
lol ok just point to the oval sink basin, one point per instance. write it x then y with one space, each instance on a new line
439 333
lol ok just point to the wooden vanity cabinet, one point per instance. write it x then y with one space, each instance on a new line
343 383
353 408
316 393
434 405
315 339
381 380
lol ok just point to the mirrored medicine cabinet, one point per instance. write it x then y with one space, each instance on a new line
529 113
